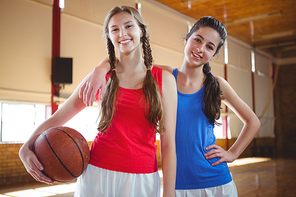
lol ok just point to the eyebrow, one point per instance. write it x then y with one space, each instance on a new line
203 39
123 24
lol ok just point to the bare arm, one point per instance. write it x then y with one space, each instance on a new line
168 149
95 81
69 109
248 132
164 67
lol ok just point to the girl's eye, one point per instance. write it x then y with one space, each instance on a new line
128 26
210 47
197 39
113 30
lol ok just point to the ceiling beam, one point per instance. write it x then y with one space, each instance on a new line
291 45
189 3
253 18
275 35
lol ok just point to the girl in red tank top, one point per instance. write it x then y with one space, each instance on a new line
139 101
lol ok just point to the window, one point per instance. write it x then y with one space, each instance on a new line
85 122
218 130
18 121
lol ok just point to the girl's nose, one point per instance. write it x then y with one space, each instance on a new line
122 33
200 48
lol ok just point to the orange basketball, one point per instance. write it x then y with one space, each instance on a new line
63 152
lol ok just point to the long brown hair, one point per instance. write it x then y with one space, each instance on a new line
150 88
212 94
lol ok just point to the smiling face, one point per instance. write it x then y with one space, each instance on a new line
124 32
201 46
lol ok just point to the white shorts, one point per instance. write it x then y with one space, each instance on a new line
227 190
98 182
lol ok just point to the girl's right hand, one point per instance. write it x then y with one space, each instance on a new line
90 87
219 152
33 166
94 81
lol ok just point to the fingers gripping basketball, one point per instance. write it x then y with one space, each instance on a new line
63 152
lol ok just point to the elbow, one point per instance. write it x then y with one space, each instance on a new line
256 124
168 147
253 124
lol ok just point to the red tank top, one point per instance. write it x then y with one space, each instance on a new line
129 142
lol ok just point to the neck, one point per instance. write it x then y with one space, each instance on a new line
190 78
129 62
192 72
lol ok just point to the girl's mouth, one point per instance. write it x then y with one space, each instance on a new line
196 55
124 41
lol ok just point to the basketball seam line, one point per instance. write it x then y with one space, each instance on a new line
82 158
57 155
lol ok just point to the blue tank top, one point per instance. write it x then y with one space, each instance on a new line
194 133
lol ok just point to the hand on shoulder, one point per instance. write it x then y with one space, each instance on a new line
165 67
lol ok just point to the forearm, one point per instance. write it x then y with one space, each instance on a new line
245 137
93 82
244 113
43 127
165 67
168 162
68 110
103 67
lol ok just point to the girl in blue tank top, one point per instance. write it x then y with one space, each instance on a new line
201 165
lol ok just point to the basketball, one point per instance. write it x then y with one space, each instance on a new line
63 152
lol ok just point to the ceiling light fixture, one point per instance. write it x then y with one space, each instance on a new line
253 18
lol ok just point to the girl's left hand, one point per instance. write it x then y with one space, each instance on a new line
225 156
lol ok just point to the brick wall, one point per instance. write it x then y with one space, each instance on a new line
12 171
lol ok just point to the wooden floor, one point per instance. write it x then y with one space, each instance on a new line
254 177
273 178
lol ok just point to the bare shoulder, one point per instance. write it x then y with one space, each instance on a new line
167 77
165 67
220 79
169 86
222 82
227 90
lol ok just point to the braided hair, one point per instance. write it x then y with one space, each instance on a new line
154 109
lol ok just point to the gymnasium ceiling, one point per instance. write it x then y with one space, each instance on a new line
268 25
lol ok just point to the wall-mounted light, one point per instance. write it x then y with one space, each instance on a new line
253 61
225 52
189 26
62 4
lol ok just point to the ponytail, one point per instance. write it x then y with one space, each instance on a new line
212 96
